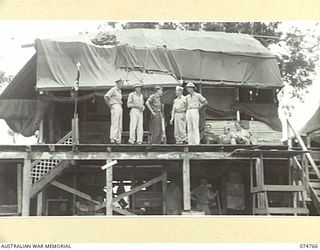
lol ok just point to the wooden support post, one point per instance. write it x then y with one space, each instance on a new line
260 182
19 188
164 190
186 184
75 129
26 187
109 186
74 197
40 202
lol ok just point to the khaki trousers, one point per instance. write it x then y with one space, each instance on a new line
180 127
116 123
156 128
193 126
136 125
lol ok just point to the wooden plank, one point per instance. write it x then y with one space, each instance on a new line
40 200
186 184
121 211
138 188
315 185
279 188
74 191
52 175
282 210
132 191
13 155
129 155
109 186
164 190
19 188
26 188
109 164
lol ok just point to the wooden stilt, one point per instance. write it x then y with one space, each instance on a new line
164 190
26 188
40 201
109 186
74 197
19 188
186 184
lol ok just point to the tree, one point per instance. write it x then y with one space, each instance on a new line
4 80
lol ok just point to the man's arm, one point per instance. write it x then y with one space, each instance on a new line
107 97
203 101
107 101
149 106
172 115
130 102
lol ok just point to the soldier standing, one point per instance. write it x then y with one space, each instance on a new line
178 116
154 105
195 102
136 104
113 99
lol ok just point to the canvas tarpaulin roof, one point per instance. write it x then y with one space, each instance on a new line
156 57
313 124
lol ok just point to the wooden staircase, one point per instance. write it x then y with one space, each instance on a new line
45 171
310 172
314 188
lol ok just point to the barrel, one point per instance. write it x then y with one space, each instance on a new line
193 213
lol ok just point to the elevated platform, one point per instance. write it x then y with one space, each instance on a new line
144 152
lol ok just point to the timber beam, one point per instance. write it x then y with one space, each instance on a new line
118 155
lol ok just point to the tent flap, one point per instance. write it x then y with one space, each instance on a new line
23 116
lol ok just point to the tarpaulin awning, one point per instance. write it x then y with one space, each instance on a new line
156 57
313 124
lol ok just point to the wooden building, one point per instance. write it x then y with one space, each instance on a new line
73 170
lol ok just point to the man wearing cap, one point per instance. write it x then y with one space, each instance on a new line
136 104
154 105
113 99
178 116
195 102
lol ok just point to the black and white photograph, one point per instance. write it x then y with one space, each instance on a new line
159 118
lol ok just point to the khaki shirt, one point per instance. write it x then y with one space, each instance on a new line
115 96
134 100
155 102
180 104
194 101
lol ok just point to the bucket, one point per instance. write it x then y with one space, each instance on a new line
192 213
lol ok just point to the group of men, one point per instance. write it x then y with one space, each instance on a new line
202 196
185 114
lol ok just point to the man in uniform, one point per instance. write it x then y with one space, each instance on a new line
154 105
136 104
203 196
195 102
113 99
178 116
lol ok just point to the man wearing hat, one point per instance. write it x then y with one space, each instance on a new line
195 102
154 105
178 116
113 99
136 104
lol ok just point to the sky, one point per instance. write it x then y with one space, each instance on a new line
14 34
